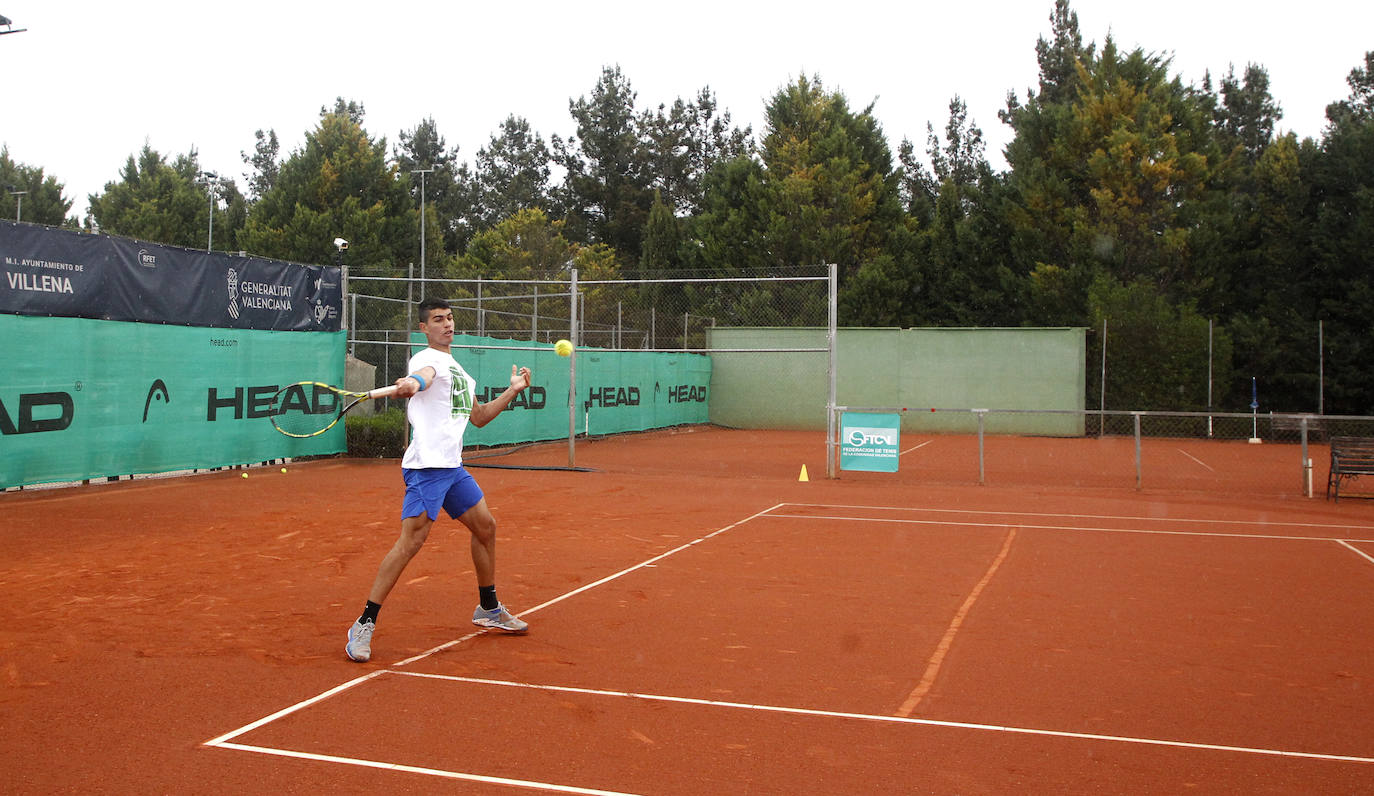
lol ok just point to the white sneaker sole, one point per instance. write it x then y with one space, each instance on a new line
487 623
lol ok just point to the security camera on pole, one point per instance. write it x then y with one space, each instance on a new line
341 246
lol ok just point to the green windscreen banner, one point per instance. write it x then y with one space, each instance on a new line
617 391
82 398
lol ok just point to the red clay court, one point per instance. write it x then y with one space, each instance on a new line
701 623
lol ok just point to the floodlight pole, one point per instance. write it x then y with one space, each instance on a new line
422 173
211 182
19 201
9 26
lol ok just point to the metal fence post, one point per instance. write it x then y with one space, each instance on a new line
1136 415
832 431
1306 461
572 367
980 413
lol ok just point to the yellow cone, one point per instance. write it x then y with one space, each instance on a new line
803 477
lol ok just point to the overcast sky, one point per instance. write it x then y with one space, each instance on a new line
89 83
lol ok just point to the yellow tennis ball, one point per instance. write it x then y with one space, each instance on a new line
245 475
564 348
283 469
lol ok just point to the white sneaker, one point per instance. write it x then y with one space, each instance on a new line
360 641
499 619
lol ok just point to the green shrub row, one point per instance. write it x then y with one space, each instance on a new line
377 436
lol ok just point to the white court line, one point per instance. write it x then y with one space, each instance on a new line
225 741
1358 551
650 562
1210 534
221 740
835 714
1196 459
1261 523
433 772
916 447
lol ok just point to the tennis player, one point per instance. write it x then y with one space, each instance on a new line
442 403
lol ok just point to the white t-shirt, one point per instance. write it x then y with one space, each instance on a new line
439 414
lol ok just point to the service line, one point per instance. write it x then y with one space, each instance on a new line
963 725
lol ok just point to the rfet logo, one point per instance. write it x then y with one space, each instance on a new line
147 259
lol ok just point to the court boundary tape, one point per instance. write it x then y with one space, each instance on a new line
881 718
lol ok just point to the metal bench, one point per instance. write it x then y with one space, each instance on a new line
1351 457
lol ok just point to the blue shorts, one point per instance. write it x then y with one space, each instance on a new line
430 488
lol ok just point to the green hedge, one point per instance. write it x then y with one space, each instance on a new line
378 436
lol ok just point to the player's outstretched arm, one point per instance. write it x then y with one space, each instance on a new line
483 414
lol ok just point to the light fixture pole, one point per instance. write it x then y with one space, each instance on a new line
422 173
212 181
19 202
9 26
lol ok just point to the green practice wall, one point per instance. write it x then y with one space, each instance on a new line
87 398
919 369
617 391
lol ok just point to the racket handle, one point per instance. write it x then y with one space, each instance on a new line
383 392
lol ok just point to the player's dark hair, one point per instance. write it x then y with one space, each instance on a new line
431 304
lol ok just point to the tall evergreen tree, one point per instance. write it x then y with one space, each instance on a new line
445 190
265 162
1342 180
1113 181
684 142
338 184
169 203
42 201
833 195
605 192
512 173
1248 113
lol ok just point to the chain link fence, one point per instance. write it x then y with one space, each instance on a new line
660 313
728 317
1279 455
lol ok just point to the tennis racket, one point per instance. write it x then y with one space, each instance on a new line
310 408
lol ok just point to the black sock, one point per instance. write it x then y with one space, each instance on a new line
370 613
487 594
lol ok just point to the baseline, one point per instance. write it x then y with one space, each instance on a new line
1084 528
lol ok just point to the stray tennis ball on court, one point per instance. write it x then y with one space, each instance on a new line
245 475
283 469
564 348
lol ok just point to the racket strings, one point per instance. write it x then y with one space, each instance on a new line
306 409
